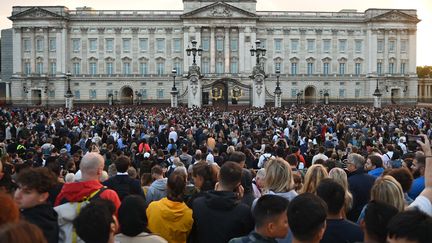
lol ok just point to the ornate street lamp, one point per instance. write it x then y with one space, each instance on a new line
278 91
194 83
377 96
258 51
298 96
194 51
258 76
69 96
174 91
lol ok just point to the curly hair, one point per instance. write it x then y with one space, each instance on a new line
40 179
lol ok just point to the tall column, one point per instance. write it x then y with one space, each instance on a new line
250 62
198 39
60 55
33 50
398 52
186 43
242 50
118 48
17 52
386 52
372 51
212 50
46 50
8 92
64 43
227 50
84 50
412 51
101 51
169 48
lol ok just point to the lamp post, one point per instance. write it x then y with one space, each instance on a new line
278 91
194 51
115 96
258 76
110 99
326 97
258 51
69 96
174 91
194 82
300 93
377 96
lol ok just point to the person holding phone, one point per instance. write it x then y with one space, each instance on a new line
423 201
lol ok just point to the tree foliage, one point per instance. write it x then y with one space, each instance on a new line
424 71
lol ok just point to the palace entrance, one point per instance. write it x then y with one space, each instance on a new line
395 96
219 94
310 95
126 95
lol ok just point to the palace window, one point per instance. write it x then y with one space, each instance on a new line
109 45
52 44
143 44
326 45
76 45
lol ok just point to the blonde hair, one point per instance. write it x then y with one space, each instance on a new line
340 176
388 190
278 176
313 177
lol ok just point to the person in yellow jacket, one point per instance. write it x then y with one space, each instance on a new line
170 217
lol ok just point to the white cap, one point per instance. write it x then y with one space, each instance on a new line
146 155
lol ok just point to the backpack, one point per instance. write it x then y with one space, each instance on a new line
67 212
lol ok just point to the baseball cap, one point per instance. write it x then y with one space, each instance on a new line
146 155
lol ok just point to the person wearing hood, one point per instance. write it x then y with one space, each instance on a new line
157 189
219 215
170 217
31 197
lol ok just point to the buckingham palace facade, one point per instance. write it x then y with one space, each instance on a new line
129 56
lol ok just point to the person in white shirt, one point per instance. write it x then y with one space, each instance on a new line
320 155
172 135
264 157
401 144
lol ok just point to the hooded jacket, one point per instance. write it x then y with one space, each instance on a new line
77 191
219 217
171 220
45 218
157 190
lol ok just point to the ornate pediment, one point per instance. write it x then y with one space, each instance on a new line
36 13
395 16
219 10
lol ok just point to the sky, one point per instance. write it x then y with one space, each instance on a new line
423 7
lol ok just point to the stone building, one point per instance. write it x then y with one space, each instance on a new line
128 56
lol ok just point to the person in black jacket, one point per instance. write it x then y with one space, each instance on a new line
219 215
31 197
360 184
122 183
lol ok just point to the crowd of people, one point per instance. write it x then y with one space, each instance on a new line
310 173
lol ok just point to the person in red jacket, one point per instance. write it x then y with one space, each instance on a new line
91 167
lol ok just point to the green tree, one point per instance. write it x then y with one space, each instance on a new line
424 71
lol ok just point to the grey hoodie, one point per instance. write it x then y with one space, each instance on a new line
157 190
